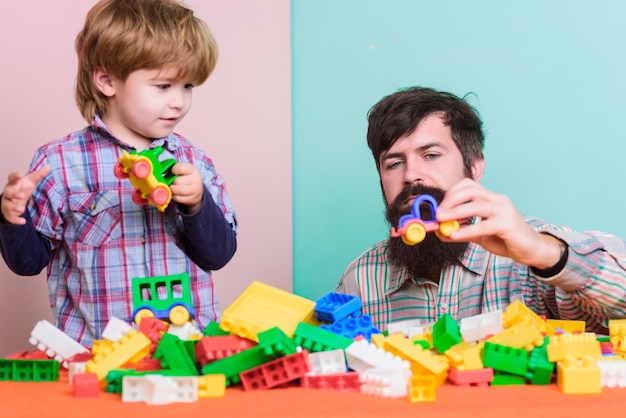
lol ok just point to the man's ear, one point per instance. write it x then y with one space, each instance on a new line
478 168
104 82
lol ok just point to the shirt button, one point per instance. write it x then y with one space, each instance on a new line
92 206
142 240
443 307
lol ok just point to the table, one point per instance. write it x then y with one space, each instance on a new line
55 399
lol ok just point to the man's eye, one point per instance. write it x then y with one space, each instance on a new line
431 156
394 164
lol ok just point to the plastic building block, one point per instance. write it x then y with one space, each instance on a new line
412 228
479 378
29 370
403 327
480 327
505 359
159 390
85 385
361 355
505 379
154 329
446 333
75 368
150 177
261 307
220 346
174 355
385 383
422 388
212 386
132 346
613 373
27 355
163 297
273 343
276 372
571 326
540 369
315 339
466 356
55 342
187 331
335 306
346 381
573 345
523 334
327 362
353 327
115 329
517 311
213 329
579 375
420 360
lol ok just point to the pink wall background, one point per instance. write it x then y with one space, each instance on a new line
241 116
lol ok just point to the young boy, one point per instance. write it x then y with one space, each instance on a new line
138 61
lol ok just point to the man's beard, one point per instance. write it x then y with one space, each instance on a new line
428 258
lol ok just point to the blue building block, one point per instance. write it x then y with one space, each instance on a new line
353 327
335 306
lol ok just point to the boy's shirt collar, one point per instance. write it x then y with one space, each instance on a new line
170 142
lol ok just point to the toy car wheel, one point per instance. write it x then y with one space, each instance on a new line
138 197
179 315
142 169
119 171
141 314
414 234
160 195
448 227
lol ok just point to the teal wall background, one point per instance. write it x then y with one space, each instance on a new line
548 78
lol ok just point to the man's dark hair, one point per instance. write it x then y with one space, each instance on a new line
398 115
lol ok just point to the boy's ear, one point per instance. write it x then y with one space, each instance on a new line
104 82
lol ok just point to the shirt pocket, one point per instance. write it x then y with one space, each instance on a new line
96 216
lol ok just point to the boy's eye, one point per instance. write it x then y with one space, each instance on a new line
188 86
163 86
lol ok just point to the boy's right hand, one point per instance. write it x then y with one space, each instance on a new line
17 192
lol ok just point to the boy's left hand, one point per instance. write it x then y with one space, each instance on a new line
188 188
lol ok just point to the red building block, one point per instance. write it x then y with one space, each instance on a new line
86 385
218 347
276 372
348 381
480 378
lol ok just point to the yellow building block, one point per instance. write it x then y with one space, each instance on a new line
261 307
579 376
422 361
523 334
567 325
466 356
573 345
422 388
132 346
517 311
378 340
212 386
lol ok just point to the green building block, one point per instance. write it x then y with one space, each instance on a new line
29 370
273 343
174 354
213 330
504 379
316 339
540 369
446 333
505 359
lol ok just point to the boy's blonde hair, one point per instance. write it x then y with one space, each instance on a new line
122 36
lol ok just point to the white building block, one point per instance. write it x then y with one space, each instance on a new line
327 362
613 373
186 332
385 383
362 355
479 327
58 345
402 327
115 329
155 389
